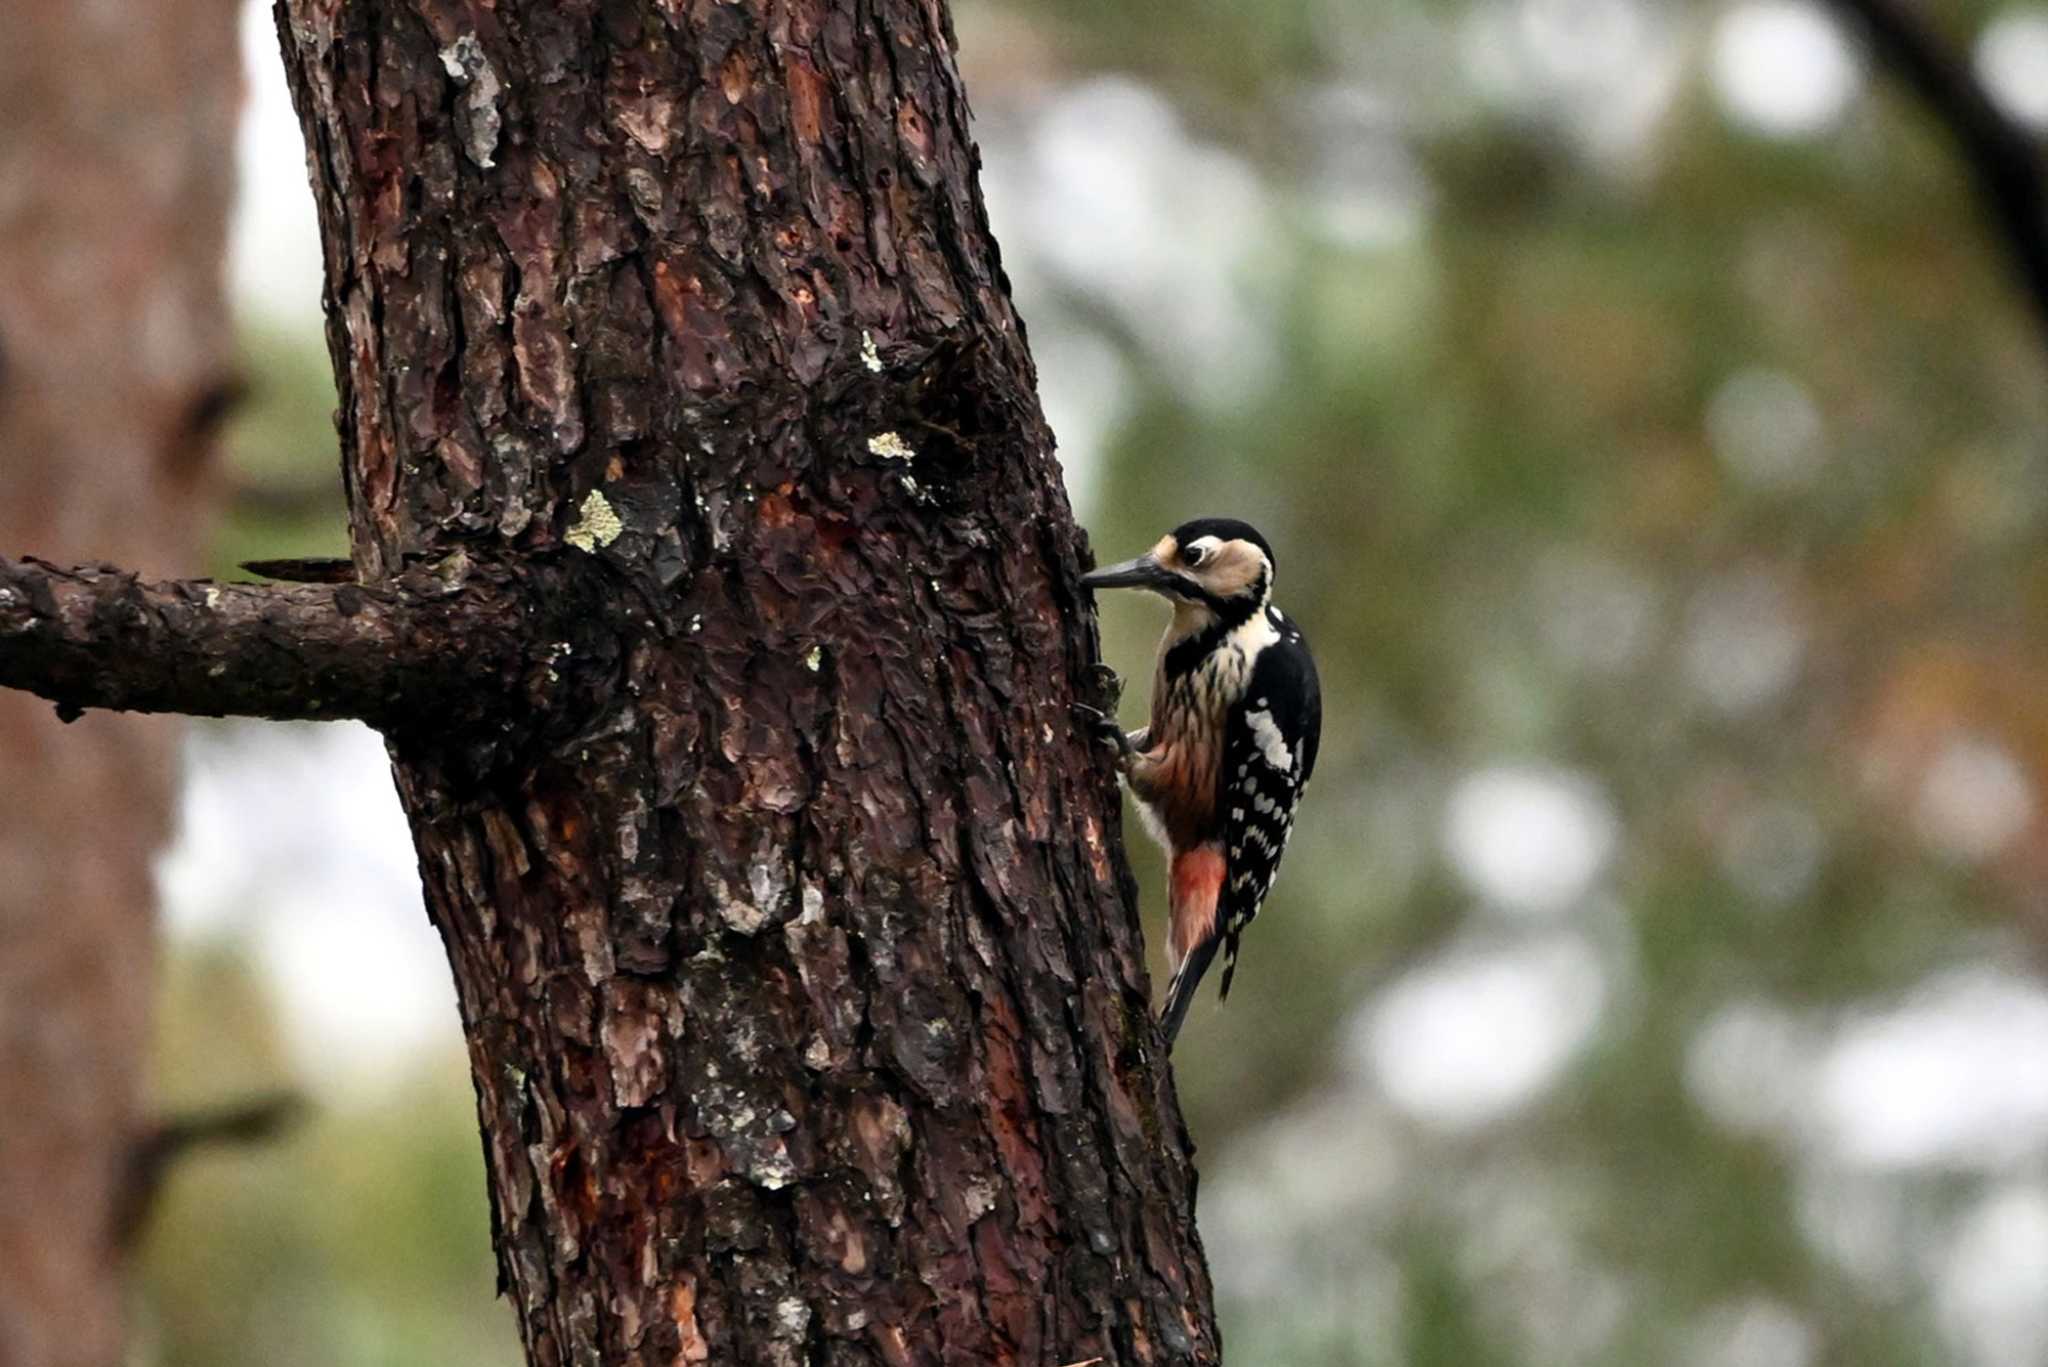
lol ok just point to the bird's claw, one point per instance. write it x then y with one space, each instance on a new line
1105 730
1108 684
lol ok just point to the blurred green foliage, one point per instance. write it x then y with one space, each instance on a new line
359 1239
1517 394
284 476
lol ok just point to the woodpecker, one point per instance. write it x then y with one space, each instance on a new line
1236 714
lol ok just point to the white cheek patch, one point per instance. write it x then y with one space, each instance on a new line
1272 744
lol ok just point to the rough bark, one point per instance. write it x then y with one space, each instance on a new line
795 947
116 138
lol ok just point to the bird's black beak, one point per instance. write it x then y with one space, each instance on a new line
1145 572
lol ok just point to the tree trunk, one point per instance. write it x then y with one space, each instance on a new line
786 904
116 142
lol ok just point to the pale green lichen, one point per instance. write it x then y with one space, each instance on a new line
890 446
813 658
452 569
869 356
596 524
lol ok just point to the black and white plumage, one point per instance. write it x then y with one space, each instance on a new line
1236 716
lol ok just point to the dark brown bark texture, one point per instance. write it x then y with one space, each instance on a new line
116 164
805 998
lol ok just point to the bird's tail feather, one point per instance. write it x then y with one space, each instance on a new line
1180 992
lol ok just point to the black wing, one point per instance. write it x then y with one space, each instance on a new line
1269 752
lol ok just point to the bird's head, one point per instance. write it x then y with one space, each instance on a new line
1216 565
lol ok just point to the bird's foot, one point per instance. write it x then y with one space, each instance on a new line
1107 683
1103 729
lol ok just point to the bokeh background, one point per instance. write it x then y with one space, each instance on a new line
1655 443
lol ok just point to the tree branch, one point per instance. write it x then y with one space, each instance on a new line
251 1121
436 644
2001 157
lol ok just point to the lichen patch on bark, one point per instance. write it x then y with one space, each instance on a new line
596 525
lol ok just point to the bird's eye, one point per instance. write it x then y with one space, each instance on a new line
1194 555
